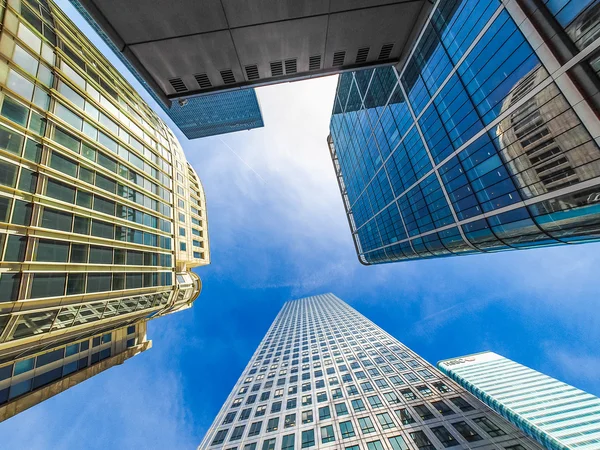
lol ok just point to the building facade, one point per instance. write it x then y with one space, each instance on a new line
485 139
101 217
324 376
557 415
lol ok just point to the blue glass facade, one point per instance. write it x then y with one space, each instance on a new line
219 113
209 115
471 146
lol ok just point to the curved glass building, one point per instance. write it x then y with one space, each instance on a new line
484 139
101 217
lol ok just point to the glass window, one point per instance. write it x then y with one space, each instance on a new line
76 283
374 445
290 420
14 111
307 416
347 429
220 437
237 433
48 285
60 191
268 444
52 251
366 425
358 405
308 438
28 180
466 431
8 174
327 434
421 440
67 140
462 404
341 409
375 401
287 442
398 443
24 366
19 84
385 421
63 164
489 427
324 413
442 408
444 436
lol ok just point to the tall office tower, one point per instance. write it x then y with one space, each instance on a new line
183 50
325 376
102 218
557 415
485 139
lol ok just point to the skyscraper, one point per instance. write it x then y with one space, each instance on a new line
102 217
324 376
485 139
557 415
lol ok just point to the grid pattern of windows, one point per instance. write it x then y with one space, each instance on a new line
471 146
91 184
316 349
88 164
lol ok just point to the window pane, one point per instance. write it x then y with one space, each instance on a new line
60 191
66 139
56 220
52 251
48 285
14 111
63 164
10 141
8 174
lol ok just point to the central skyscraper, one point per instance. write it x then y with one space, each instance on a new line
324 376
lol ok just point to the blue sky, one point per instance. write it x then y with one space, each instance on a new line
278 232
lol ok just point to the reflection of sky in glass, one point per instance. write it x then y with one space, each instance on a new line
427 160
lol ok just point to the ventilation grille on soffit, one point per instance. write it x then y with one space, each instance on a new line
178 85
227 76
338 58
386 51
314 62
252 72
203 80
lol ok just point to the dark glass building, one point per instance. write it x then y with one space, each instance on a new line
223 112
485 139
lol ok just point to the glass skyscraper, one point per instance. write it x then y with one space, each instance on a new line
324 376
485 139
557 415
102 218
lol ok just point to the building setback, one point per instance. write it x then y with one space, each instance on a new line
485 139
324 376
101 217
557 415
